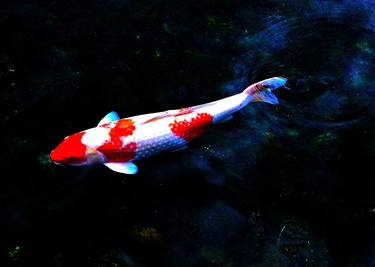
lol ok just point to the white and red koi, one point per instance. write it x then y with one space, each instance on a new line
117 143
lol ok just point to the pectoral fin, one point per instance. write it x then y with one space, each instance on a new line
122 167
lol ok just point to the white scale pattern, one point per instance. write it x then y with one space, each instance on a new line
155 137
95 137
223 108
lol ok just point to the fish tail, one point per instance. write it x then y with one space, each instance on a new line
262 91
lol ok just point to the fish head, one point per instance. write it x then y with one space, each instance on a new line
71 151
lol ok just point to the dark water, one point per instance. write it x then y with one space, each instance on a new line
287 185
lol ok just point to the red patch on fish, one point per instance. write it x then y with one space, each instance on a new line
113 149
190 129
123 127
72 145
125 154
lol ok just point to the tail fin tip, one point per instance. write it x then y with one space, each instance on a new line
266 96
274 82
262 91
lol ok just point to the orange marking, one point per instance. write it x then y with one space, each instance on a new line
113 149
189 130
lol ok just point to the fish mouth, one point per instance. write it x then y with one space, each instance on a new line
59 163
55 159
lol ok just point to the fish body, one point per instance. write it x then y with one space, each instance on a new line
118 143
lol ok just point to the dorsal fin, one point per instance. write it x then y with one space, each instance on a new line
140 119
111 116
161 116
168 113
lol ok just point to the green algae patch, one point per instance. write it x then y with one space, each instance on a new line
270 136
293 133
13 254
365 48
325 138
44 159
146 234
157 54
216 23
197 55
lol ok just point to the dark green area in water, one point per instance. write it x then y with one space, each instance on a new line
287 185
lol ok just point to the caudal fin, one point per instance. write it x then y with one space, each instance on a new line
262 91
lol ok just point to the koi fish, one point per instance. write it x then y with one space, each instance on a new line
118 143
